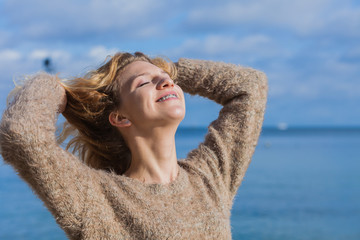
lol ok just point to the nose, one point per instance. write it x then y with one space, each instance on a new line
165 83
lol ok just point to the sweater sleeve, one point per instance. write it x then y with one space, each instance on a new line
225 154
28 143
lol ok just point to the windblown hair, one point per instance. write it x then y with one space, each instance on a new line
90 100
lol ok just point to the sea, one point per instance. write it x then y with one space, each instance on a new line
302 183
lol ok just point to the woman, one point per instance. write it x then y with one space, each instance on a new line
124 116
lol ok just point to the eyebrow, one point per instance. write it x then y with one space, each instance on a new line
132 78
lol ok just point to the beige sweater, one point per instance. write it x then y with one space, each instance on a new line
94 204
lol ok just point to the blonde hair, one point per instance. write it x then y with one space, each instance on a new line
90 100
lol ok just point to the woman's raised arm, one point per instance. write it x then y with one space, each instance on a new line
224 156
27 141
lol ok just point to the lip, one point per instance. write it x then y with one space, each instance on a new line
167 93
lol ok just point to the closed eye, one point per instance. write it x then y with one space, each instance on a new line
143 84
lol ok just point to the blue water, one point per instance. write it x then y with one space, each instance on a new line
301 184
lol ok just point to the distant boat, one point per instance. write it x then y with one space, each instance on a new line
282 126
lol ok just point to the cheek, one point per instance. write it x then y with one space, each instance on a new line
182 95
179 90
140 105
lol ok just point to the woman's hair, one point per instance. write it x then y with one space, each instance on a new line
90 100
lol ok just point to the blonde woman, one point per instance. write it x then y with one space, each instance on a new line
124 181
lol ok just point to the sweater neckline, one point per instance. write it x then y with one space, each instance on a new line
175 186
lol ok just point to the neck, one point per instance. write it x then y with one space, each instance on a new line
153 156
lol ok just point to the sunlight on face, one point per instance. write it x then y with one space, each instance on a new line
149 96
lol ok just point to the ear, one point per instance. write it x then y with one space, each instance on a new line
117 120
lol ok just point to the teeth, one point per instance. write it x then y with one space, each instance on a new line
166 97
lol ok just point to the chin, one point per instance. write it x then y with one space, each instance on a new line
178 114
172 119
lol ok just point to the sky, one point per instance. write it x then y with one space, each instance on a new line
309 49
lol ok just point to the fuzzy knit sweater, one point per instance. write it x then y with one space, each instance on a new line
95 204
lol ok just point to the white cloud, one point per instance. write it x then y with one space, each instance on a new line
218 44
344 21
247 48
40 19
329 78
99 53
9 55
305 17
40 54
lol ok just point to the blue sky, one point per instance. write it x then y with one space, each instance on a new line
310 49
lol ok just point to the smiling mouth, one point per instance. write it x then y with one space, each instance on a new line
167 97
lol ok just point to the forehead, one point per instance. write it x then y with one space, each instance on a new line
134 69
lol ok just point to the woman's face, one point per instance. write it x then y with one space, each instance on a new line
149 96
